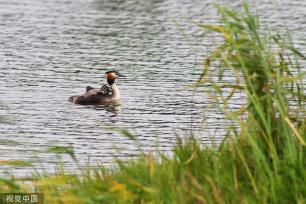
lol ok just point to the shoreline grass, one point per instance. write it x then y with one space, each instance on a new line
261 160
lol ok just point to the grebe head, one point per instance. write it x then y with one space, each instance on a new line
111 76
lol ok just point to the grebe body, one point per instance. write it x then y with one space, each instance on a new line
106 94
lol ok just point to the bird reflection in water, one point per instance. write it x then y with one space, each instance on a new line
113 108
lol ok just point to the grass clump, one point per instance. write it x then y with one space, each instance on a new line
262 159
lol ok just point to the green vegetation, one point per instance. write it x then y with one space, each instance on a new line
261 160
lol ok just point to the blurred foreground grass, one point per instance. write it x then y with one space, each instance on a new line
261 160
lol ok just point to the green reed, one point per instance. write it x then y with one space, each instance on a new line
261 160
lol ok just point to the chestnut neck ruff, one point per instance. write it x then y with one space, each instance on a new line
110 79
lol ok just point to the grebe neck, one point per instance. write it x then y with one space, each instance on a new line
115 91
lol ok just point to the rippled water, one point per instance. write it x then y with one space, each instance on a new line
53 49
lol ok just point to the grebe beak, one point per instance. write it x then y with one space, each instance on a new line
120 75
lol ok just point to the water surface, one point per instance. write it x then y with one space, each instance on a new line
53 49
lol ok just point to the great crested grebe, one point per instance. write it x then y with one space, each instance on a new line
106 94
